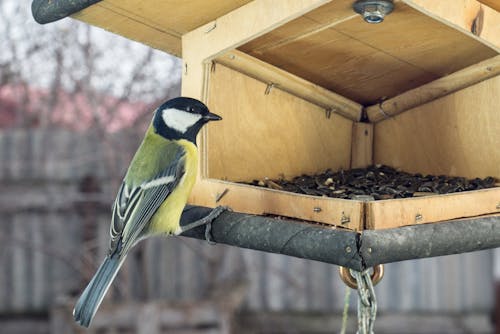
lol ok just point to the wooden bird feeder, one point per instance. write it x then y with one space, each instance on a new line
304 86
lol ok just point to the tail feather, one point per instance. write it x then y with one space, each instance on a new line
92 296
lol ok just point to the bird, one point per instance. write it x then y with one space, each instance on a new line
153 193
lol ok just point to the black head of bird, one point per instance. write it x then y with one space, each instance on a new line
182 118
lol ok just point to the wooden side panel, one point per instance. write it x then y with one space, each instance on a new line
202 45
411 211
250 199
433 90
362 145
458 134
270 135
290 83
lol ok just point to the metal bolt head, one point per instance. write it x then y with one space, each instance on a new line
373 11
373 14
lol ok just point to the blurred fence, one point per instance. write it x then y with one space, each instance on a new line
56 192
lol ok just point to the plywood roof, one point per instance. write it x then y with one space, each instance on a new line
159 24
330 46
364 62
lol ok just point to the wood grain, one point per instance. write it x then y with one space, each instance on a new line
433 90
155 25
255 200
202 45
431 209
310 23
244 24
419 40
290 83
362 145
495 4
363 62
469 16
274 135
458 135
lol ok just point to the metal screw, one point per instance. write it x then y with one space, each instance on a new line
348 249
369 250
317 209
373 11
214 25
219 196
344 219
418 217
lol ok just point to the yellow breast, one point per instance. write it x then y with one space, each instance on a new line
166 219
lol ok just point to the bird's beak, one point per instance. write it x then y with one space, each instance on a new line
212 117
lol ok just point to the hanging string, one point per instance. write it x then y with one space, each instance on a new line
345 313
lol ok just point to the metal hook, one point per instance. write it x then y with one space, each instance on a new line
381 109
211 28
268 88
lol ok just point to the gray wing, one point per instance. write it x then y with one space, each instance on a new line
134 206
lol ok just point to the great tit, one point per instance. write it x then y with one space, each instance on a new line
153 193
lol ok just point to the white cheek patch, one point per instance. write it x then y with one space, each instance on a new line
179 120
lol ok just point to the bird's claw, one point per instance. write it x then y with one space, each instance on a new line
216 212
208 234
207 220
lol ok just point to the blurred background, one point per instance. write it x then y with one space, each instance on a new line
74 104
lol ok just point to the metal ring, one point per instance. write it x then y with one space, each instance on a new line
376 276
